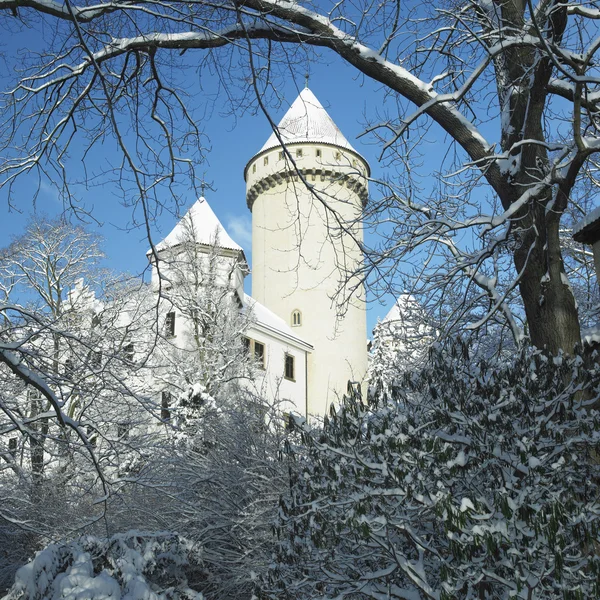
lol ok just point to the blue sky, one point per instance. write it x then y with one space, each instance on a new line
232 142
232 138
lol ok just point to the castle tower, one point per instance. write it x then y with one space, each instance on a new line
306 199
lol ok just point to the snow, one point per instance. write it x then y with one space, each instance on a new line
592 216
205 226
307 121
263 316
591 335
130 562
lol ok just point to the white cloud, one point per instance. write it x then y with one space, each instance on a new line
240 229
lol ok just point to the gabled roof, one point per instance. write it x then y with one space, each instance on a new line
307 121
587 231
268 320
201 222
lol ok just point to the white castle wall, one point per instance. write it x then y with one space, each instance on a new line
302 247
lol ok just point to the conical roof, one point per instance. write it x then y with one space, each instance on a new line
201 222
307 121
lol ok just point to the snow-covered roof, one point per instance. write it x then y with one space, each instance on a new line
201 222
307 121
587 231
403 305
268 319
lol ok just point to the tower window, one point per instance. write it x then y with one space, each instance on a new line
296 318
281 155
170 324
254 168
12 446
299 153
289 368
265 161
338 156
165 403
318 153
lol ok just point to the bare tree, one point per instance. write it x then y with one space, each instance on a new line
521 72
202 317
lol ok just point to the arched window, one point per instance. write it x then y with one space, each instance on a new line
296 318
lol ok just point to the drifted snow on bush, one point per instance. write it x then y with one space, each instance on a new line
470 480
129 566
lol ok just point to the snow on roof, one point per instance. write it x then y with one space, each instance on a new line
263 316
201 222
307 121
405 304
587 231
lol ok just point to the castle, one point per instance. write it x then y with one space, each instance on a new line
306 188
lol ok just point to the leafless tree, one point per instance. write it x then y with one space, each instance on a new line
513 85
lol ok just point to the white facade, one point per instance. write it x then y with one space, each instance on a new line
306 204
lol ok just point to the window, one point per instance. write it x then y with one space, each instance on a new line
265 161
34 394
254 168
318 153
298 152
289 371
12 446
247 343
170 325
128 352
165 403
95 321
96 359
123 430
259 354
255 350
296 318
281 155
338 156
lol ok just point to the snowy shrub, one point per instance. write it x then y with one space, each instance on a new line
136 566
470 480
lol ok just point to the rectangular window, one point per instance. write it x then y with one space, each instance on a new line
299 153
165 403
96 359
318 153
34 393
12 446
123 430
259 354
246 343
128 352
265 161
338 156
170 325
281 155
290 368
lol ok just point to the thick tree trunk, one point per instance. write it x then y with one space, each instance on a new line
549 304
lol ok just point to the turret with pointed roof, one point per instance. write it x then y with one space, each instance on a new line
201 226
306 188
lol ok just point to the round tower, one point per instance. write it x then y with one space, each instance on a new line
306 199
